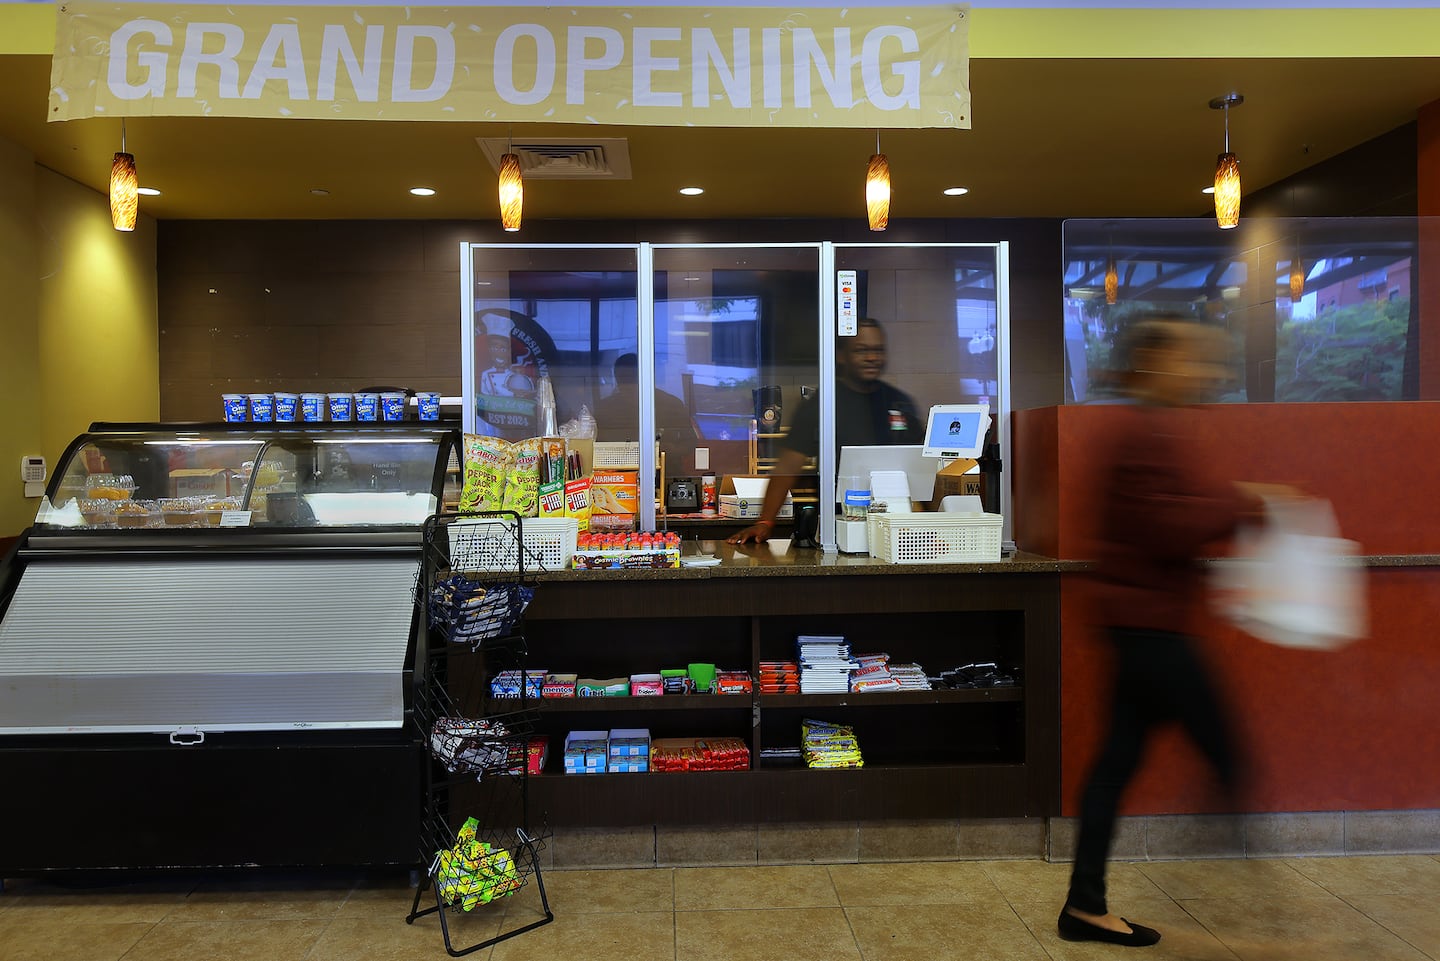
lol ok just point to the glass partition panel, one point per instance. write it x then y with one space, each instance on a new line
737 361
565 314
1317 309
939 337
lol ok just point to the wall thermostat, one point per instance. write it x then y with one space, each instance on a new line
32 469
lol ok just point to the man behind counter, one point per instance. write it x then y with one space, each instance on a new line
868 413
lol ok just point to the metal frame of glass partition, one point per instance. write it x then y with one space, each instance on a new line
825 332
1000 410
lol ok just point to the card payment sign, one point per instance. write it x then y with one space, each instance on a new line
846 314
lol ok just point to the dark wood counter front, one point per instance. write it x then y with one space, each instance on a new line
982 752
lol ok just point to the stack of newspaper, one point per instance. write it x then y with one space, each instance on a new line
825 664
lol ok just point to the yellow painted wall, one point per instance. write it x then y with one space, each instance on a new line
99 339
20 428
79 339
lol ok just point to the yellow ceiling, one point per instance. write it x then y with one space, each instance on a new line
1105 136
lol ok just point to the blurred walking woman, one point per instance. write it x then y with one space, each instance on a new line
1162 504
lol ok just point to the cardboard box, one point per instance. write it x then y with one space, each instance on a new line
612 492
585 752
199 481
742 495
954 478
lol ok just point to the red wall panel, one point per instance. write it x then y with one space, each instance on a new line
1354 729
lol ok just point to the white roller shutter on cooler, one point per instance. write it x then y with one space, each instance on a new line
122 645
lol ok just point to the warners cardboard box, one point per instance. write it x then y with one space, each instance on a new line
612 500
743 495
961 476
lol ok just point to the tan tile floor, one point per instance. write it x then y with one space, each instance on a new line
1305 909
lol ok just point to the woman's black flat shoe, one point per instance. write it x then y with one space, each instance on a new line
1074 929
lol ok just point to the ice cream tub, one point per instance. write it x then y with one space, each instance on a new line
235 408
286 406
429 403
342 406
262 408
312 407
392 406
367 406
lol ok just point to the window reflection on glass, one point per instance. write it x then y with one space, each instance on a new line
566 325
1317 309
937 306
735 342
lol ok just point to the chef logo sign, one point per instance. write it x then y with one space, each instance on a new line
704 66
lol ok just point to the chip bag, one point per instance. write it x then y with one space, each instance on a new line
483 488
522 478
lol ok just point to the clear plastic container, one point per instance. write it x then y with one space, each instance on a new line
855 503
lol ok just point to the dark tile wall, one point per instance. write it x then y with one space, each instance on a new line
342 305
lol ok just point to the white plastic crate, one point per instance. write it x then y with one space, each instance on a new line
490 543
935 538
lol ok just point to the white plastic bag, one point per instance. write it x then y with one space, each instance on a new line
1294 581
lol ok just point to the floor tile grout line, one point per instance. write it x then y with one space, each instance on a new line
1206 928
1374 920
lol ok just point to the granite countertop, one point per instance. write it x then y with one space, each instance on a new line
776 558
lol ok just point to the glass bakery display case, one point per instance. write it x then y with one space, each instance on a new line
223 616
131 477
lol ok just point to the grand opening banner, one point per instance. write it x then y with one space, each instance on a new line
704 66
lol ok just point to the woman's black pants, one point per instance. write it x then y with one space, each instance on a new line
1158 678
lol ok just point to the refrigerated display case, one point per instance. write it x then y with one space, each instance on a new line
207 641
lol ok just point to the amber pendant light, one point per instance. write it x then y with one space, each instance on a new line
877 189
124 188
512 192
1112 282
1227 169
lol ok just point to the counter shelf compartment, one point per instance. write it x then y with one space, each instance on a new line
666 702
981 752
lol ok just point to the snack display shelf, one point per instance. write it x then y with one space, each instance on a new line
479 840
969 752
675 702
988 695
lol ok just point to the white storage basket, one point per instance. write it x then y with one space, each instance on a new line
490 543
935 538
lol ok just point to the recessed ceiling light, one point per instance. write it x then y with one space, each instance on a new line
319 192
692 191
423 191
956 191
147 191
1208 190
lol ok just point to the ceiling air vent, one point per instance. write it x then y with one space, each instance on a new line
562 158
